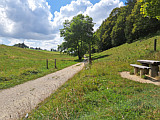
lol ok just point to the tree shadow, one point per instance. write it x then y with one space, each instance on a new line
77 60
99 57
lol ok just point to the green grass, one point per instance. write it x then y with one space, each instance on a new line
19 65
100 92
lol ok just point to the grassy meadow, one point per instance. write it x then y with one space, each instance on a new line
100 92
19 65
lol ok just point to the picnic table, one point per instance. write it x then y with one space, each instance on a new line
153 64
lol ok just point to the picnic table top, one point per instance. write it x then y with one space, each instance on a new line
151 62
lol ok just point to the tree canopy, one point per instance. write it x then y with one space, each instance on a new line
150 8
78 34
125 24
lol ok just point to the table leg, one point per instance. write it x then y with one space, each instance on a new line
141 72
146 71
135 70
154 71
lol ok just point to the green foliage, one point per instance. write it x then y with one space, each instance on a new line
19 65
100 93
21 45
150 8
104 31
78 34
125 24
117 34
137 26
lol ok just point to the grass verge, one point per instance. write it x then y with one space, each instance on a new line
100 92
19 65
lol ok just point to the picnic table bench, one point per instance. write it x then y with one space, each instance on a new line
143 69
154 65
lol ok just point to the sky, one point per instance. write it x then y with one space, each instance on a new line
37 22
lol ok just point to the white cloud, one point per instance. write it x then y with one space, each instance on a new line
32 21
25 19
1 42
13 41
70 10
101 10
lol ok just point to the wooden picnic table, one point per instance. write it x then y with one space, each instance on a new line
153 64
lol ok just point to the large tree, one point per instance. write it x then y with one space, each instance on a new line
150 8
78 34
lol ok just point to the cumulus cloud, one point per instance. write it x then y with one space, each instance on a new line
101 10
1 42
32 21
70 10
28 19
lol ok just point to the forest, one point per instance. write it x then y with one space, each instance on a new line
125 25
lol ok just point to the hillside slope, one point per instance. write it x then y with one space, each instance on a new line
18 65
100 92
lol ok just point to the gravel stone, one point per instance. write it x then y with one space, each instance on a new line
138 79
17 101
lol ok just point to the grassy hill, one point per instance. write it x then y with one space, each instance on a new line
19 65
100 92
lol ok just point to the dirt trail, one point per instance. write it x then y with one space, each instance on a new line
138 79
17 101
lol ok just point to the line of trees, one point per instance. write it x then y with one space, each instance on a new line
125 24
21 45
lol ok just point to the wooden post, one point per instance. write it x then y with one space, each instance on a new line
155 44
90 61
55 64
47 63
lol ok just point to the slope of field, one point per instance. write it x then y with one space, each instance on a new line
19 65
100 92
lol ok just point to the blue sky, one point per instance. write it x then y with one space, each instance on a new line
37 22
56 4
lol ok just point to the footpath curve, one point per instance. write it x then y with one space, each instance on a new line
17 101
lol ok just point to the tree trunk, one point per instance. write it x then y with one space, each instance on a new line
79 56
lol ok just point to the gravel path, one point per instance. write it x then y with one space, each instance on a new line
17 101
138 79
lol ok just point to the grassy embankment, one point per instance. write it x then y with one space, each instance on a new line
19 65
100 92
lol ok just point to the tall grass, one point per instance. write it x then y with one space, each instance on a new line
19 65
100 92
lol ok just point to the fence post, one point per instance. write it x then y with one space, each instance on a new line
47 63
55 64
155 44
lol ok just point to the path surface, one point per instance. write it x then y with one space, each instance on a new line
138 79
17 101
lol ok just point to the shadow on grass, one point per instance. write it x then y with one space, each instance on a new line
98 57
157 79
66 60
77 60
